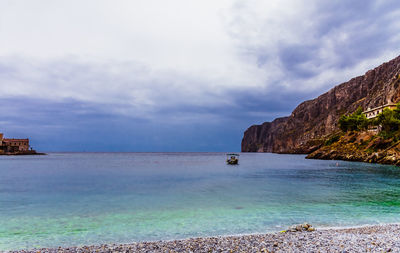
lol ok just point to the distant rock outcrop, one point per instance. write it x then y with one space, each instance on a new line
307 127
16 147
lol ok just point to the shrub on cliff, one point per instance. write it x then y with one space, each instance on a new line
334 138
354 122
389 121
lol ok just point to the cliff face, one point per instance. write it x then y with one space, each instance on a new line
305 129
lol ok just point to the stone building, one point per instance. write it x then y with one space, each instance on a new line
13 145
373 113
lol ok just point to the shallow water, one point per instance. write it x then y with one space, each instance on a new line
66 199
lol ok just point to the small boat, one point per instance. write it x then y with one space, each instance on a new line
232 159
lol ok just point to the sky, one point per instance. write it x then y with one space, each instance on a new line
176 75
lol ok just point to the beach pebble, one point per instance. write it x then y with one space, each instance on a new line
382 238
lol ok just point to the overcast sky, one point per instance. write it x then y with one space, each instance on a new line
176 75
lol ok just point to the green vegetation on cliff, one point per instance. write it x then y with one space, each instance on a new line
388 121
354 122
356 143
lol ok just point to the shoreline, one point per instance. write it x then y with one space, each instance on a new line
371 238
22 154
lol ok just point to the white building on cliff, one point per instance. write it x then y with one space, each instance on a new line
373 113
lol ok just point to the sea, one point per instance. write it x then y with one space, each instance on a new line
73 199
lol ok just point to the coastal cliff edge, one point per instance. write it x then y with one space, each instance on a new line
312 122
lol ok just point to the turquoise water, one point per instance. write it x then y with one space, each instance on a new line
66 199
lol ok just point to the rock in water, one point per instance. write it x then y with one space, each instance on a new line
301 227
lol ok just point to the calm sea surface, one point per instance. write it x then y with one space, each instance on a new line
66 199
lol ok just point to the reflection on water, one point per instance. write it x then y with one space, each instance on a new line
91 198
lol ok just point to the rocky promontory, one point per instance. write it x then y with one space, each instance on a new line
12 146
365 146
313 121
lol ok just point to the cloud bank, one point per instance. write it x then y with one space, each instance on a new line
177 75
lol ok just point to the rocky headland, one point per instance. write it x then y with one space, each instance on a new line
314 122
16 153
364 146
11 146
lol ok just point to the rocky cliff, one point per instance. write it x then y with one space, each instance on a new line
307 127
363 146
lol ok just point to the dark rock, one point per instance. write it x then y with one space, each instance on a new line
301 227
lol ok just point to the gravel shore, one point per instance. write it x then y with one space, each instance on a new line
382 238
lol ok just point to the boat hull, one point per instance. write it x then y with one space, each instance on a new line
232 162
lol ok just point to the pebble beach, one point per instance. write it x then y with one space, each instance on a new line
379 238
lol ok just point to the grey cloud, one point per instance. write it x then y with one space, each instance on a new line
335 36
74 101
294 56
369 26
76 126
